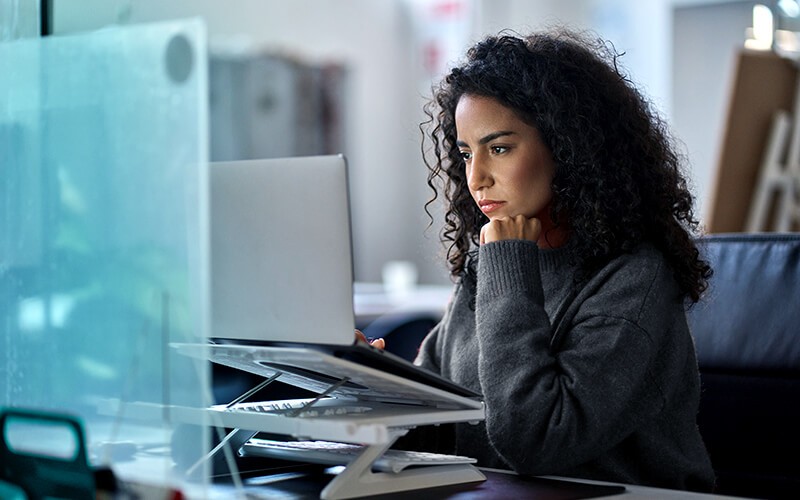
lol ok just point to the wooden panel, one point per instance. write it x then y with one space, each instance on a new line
763 83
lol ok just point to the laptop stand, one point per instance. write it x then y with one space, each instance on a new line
329 417
357 478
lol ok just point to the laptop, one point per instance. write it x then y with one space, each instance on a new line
282 287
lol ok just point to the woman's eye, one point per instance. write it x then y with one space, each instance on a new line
498 150
465 155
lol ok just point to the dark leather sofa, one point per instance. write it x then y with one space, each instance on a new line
747 333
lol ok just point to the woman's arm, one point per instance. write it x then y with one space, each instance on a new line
430 351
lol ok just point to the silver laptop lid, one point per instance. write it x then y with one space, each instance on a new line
281 259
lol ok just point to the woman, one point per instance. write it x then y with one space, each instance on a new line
569 232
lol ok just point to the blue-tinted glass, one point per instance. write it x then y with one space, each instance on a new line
19 19
103 224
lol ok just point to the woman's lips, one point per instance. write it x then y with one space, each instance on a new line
489 206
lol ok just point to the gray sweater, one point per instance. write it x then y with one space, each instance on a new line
597 380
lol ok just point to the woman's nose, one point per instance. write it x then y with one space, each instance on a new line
478 175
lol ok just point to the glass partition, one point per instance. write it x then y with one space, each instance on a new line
103 238
19 19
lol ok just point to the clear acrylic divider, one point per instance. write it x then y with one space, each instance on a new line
104 242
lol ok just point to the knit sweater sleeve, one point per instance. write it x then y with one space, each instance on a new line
429 353
549 410
427 357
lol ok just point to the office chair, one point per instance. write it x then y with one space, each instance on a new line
403 332
747 334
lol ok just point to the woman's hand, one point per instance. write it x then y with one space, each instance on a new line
379 343
518 227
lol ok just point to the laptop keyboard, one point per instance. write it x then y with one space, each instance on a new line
296 409
331 453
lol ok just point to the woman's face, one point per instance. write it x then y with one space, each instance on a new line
509 169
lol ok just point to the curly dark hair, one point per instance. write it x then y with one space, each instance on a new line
618 178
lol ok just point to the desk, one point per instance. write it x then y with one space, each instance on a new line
371 300
499 484
146 473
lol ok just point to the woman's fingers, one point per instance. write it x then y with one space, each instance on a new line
518 227
379 343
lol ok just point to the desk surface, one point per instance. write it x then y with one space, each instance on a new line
300 485
372 300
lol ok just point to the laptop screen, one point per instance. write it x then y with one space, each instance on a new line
281 255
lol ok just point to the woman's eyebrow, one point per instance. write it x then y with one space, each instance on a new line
487 138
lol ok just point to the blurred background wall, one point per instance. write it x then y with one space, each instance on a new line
369 65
